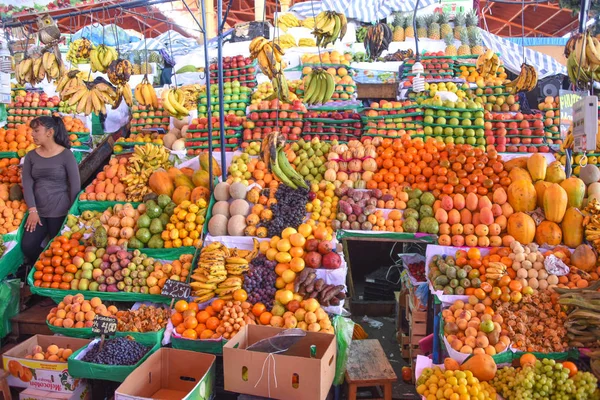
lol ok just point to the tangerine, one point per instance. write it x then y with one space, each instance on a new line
190 334
181 306
212 323
265 318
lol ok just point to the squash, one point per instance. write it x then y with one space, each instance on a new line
537 165
572 227
540 189
548 233
522 195
204 158
520 162
200 193
575 189
555 172
555 202
183 180
522 227
160 183
482 366
584 258
181 194
517 174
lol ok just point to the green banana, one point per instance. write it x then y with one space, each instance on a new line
282 177
287 169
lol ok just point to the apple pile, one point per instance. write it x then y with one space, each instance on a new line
266 116
197 133
438 67
144 117
28 105
238 68
235 96
387 118
495 99
518 133
320 254
325 125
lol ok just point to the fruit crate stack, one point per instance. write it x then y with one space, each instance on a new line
417 330
145 117
435 68
550 107
345 86
198 134
495 98
266 116
342 125
235 100
27 105
391 119
454 122
126 145
236 68
517 133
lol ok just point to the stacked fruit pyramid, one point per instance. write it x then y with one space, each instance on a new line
341 125
436 67
550 107
198 134
267 116
27 105
393 118
517 133
235 100
145 117
338 66
454 122
236 68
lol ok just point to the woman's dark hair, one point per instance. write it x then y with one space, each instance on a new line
56 123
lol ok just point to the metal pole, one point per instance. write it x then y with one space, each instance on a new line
208 94
221 95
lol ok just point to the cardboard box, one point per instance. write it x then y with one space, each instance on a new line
43 375
171 374
263 374
82 393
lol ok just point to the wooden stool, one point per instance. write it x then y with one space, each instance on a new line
4 389
368 366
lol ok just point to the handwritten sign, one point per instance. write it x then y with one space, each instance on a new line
175 289
104 325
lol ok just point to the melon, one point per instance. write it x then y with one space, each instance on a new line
222 191
222 208
589 174
169 139
236 225
217 226
237 190
239 207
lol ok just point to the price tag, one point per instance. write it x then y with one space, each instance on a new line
104 325
175 289
160 131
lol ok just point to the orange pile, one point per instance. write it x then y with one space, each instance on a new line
55 268
17 139
4 162
10 174
11 212
74 125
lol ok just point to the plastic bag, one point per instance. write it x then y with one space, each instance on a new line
9 304
344 328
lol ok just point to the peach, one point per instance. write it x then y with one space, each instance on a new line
89 316
68 323
85 307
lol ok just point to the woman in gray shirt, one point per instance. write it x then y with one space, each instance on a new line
50 183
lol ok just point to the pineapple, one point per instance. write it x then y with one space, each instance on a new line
421 27
464 48
472 21
409 29
433 28
445 27
450 47
459 22
398 28
475 42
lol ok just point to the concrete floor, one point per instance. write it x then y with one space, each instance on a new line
387 337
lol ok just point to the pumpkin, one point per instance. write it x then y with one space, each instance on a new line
204 159
199 193
520 162
522 227
548 233
555 202
537 165
584 258
575 189
540 189
160 183
555 172
572 226
517 174
482 366
202 178
522 195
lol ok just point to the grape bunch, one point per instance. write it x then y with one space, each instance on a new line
290 209
259 281
547 379
117 351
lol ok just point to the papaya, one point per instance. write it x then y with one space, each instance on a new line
555 203
548 233
183 180
537 165
201 178
519 173
520 162
200 193
575 189
555 173
572 227
204 159
522 195
540 189
522 227
160 183
181 194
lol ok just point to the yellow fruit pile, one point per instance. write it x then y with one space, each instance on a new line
288 251
186 225
436 384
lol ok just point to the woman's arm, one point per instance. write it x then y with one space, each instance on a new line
73 175
28 182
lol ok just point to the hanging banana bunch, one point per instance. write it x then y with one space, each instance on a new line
119 71
269 56
329 27
318 86
145 93
33 70
101 57
173 101
67 82
88 97
583 62
377 39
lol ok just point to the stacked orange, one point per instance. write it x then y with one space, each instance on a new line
288 251
16 140
55 268
333 57
4 162
10 174
74 125
11 212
